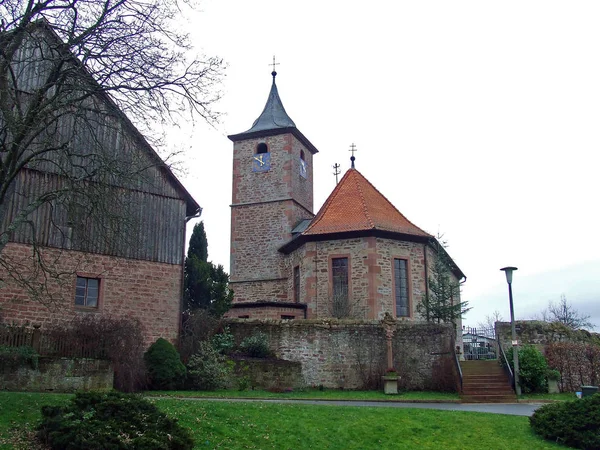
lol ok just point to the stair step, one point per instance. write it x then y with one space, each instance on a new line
485 382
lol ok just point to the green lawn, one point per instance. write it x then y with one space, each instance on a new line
20 410
316 394
235 425
562 396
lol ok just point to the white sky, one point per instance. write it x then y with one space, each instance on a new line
476 119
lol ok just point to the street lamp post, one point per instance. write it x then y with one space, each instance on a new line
515 344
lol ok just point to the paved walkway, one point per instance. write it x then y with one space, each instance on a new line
513 409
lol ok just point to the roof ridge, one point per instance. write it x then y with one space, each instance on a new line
326 205
393 206
364 203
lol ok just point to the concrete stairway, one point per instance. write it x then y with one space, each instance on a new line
486 382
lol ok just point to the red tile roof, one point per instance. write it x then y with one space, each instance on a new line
356 205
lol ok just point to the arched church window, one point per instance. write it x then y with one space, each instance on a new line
262 148
302 155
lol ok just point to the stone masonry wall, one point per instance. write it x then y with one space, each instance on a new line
352 354
145 290
60 375
283 180
538 333
371 290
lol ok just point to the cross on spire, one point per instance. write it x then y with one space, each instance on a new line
352 149
274 64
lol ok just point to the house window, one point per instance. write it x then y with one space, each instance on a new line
401 287
287 317
244 317
302 155
86 292
262 148
297 284
339 277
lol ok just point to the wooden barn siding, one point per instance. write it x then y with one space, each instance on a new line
95 127
155 234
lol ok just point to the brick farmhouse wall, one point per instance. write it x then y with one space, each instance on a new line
352 354
145 290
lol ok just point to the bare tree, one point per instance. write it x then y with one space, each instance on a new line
71 73
565 313
490 320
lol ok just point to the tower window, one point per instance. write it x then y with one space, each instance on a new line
262 148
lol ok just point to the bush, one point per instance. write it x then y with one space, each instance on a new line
197 326
532 369
14 357
165 369
118 339
574 423
256 346
223 342
208 369
111 420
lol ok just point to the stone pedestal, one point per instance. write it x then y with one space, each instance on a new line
390 385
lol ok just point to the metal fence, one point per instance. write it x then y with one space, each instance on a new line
479 343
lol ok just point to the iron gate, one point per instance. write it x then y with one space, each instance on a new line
479 343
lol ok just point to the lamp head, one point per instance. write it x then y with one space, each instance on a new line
509 273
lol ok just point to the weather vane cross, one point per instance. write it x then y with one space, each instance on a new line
352 149
336 171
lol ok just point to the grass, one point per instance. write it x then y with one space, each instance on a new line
19 411
235 425
562 396
284 426
315 394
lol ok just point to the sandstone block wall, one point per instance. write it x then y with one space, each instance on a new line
352 354
145 290
371 289
538 333
60 375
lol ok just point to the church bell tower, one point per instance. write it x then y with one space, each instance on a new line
272 193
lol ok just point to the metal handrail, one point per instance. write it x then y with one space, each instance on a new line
506 365
459 370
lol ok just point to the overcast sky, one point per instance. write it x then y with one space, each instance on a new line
478 120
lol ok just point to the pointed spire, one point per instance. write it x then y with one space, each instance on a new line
274 115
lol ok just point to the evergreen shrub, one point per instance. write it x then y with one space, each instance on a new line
208 369
14 357
223 342
574 423
256 345
111 421
165 369
532 369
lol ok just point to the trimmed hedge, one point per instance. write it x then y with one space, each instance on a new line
111 421
575 423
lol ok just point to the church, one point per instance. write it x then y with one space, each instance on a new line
357 258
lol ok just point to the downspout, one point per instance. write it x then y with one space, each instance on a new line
316 279
197 214
426 280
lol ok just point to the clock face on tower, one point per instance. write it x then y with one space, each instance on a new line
261 162
303 168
